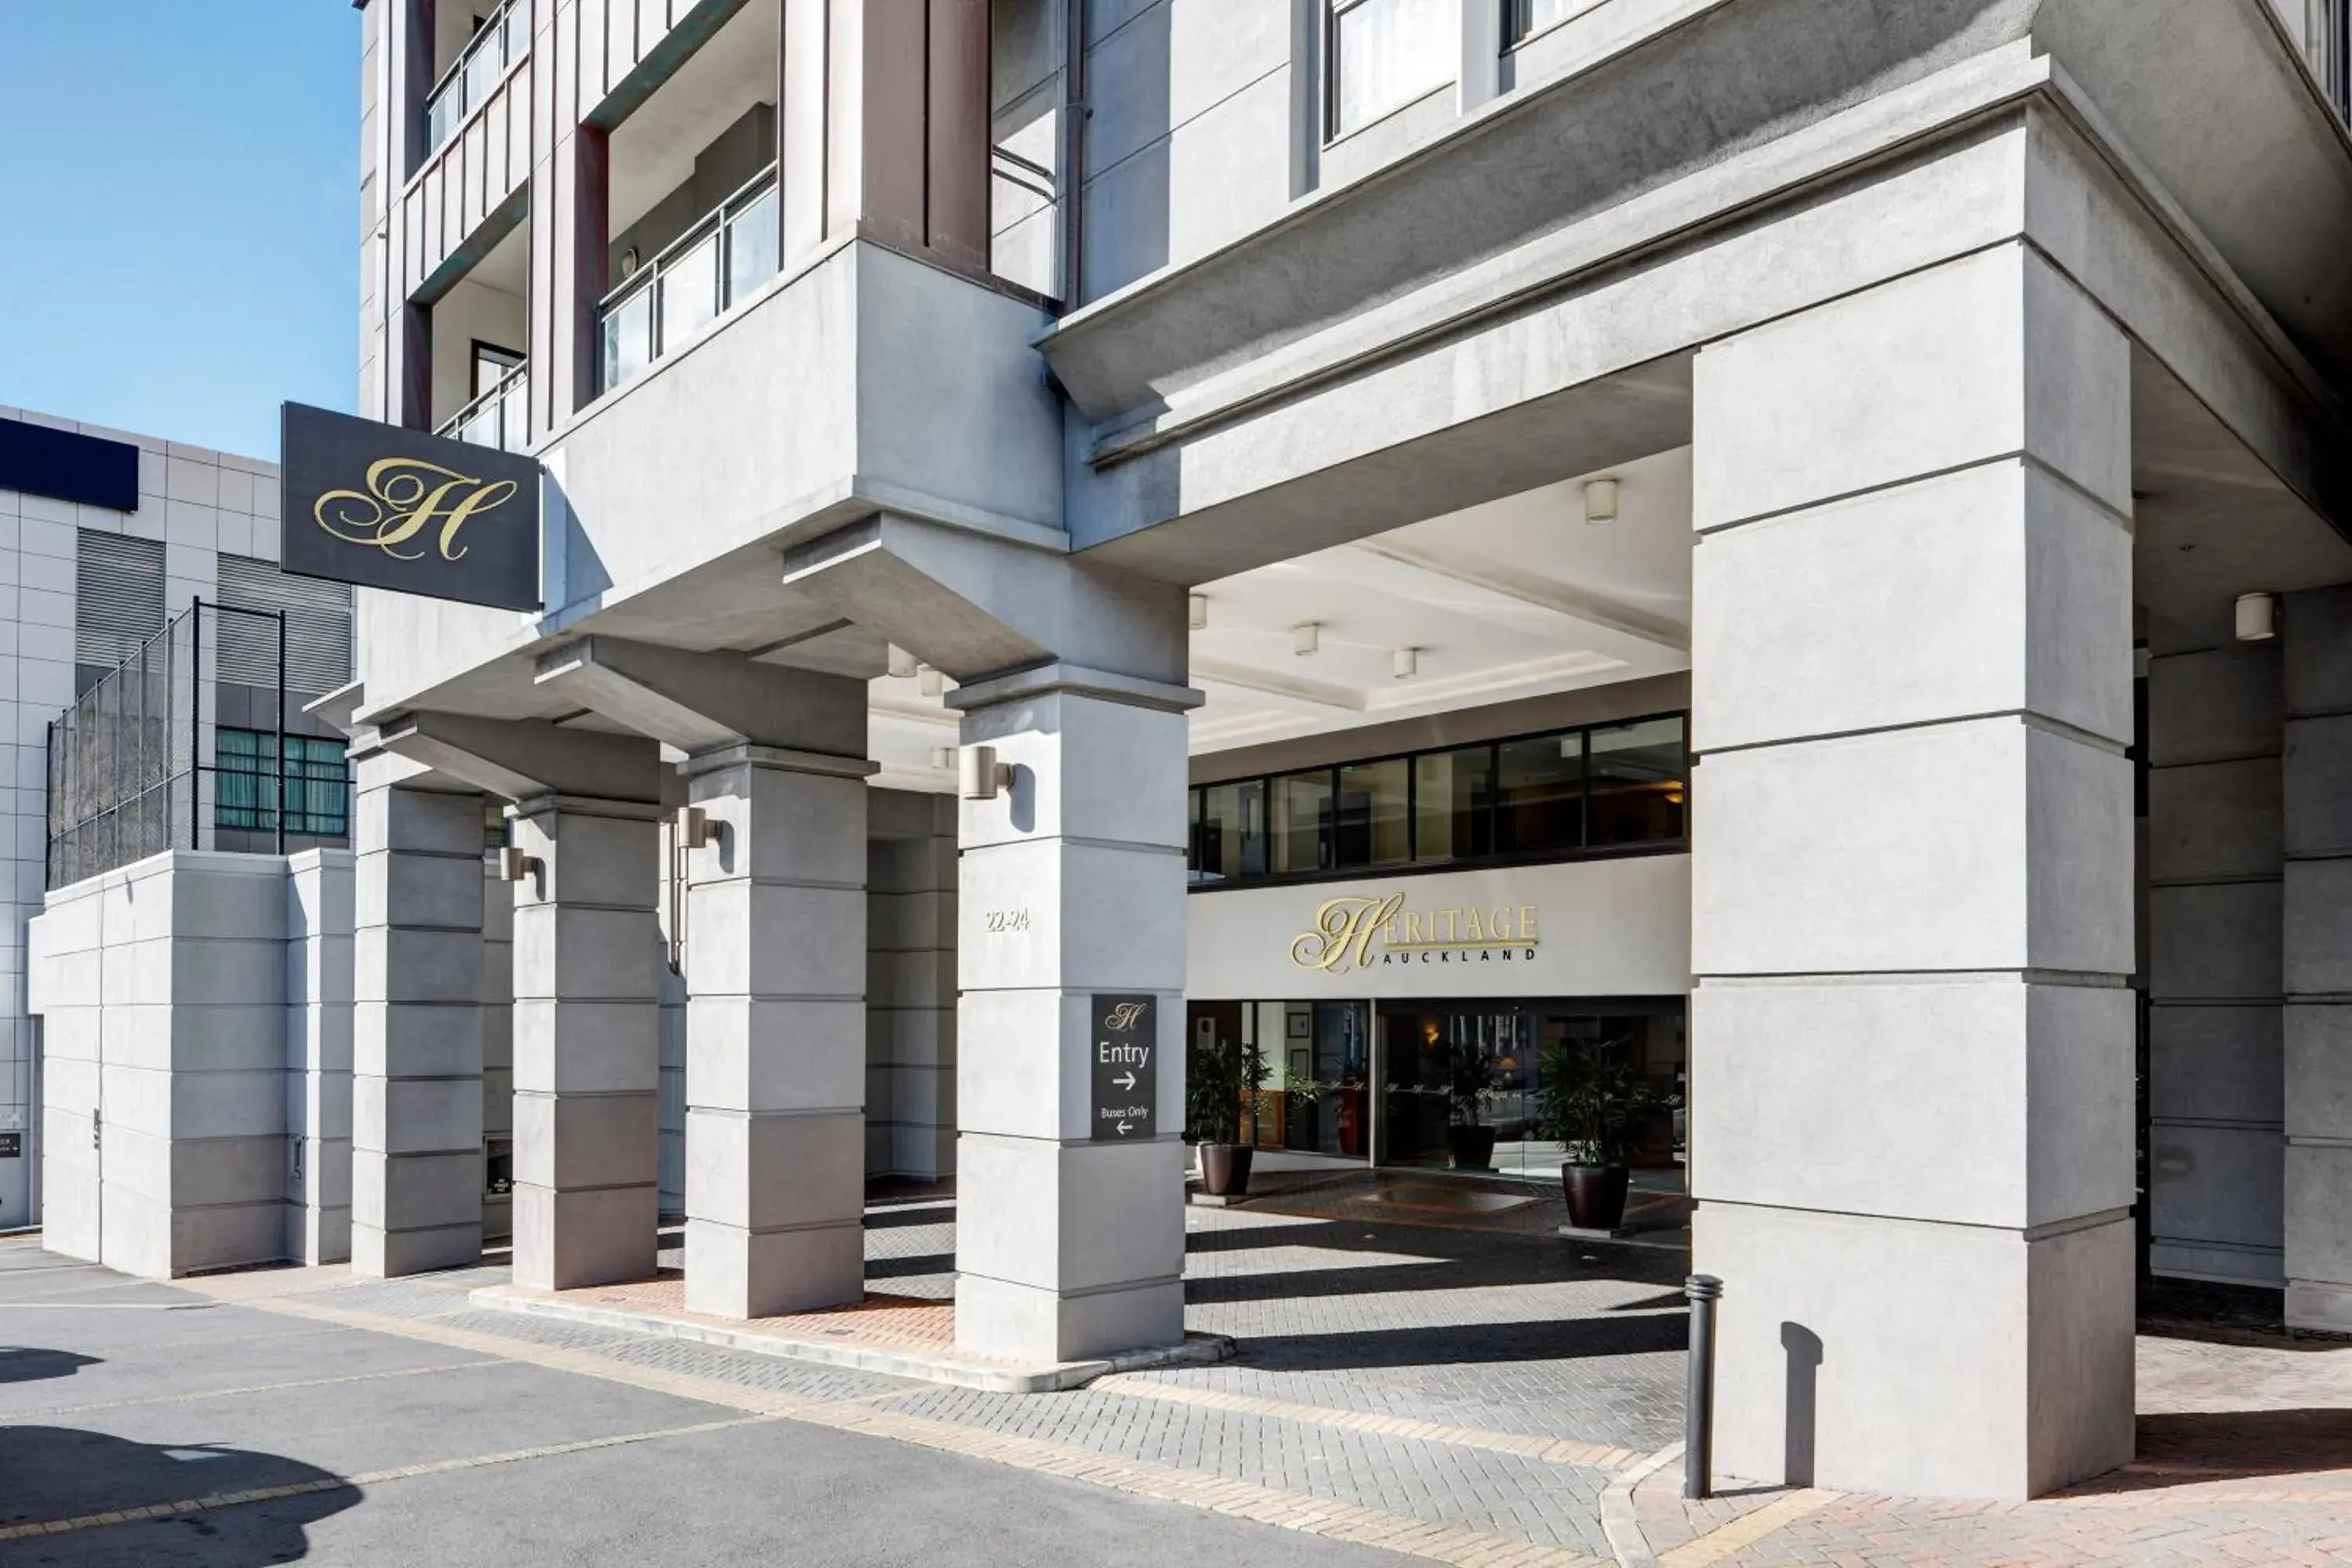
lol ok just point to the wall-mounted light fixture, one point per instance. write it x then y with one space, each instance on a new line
981 775
514 866
931 683
1407 663
943 759
1306 637
693 826
1600 500
2257 617
1196 612
903 664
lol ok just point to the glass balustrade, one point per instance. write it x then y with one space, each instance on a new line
715 266
500 417
495 46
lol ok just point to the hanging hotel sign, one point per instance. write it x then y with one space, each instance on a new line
1363 931
1125 1052
387 508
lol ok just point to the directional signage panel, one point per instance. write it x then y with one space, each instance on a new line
1126 1055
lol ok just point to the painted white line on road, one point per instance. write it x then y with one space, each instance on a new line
249 1388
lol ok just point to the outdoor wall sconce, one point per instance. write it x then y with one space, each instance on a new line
1407 663
933 682
981 775
1601 500
943 759
514 866
1196 612
902 663
1306 637
2257 616
693 826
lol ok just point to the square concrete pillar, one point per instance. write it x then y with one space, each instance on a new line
775 1025
1069 1241
587 957
319 948
1912 923
2316 924
416 1045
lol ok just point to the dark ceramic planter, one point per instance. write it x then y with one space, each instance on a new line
1596 1195
1470 1148
1225 1169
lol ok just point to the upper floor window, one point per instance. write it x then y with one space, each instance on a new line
503 37
2327 43
1385 53
721 261
1599 788
1525 18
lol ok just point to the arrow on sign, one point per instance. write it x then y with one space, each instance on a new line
1127 1082
1125 1128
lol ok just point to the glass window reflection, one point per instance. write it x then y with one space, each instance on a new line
1539 794
1637 793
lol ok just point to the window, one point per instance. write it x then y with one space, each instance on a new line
1453 803
1528 18
1386 53
1373 822
245 786
1539 794
492 364
1637 783
1603 789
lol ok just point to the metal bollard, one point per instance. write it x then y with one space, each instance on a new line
1698 1402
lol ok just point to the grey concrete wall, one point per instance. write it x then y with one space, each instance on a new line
167 983
2214 963
2317 959
498 1047
911 1026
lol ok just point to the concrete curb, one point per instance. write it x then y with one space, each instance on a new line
1197 1349
1620 1523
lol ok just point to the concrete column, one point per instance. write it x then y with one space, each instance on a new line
775 1077
2214 963
586 1041
1912 888
911 1121
1072 886
2318 959
417 1057
498 1051
319 948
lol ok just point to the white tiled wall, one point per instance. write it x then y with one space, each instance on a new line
200 503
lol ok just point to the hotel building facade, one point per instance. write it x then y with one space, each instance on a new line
1803 539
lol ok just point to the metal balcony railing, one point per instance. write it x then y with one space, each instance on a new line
501 417
719 262
496 45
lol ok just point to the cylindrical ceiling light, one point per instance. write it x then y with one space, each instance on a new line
1601 500
1196 612
1306 637
2257 617
1407 663
930 682
902 663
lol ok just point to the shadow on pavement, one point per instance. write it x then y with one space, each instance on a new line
55 1473
1564 1339
30 1363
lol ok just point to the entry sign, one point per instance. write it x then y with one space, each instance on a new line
1125 1049
387 508
11 1145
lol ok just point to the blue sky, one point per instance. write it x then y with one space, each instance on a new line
179 213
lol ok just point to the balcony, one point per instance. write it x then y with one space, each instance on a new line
500 417
721 261
495 46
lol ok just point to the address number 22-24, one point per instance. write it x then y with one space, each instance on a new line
1006 919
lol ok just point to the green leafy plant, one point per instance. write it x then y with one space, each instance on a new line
1221 1072
1471 1081
1595 1101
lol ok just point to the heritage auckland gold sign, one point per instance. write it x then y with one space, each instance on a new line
387 508
1360 932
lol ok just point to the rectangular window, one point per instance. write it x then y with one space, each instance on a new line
1528 18
1637 783
1386 53
1302 822
1539 794
1229 840
1453 803
1372 822
245 786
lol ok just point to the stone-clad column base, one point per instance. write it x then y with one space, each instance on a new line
775 1081
586 1047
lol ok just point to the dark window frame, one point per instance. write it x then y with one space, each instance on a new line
1413 866
319 801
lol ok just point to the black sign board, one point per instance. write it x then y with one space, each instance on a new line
388 508
11 1145
65 466
1125 1049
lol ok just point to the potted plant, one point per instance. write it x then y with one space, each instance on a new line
1223 1072
1469 1084
1593 1101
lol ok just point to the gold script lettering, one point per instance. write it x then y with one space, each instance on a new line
1343 932
1123 1017
406 496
